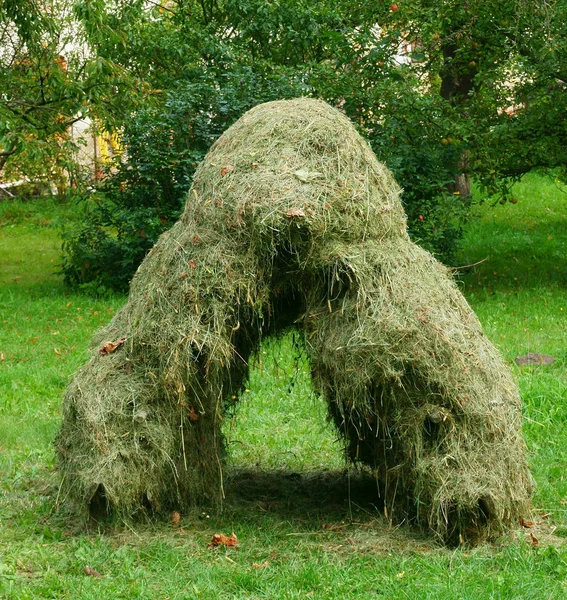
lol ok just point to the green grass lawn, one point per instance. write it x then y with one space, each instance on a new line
307 528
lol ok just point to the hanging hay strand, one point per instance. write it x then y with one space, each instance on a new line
291 221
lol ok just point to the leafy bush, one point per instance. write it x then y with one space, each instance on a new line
413 139
143 193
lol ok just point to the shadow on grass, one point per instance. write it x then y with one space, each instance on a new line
274 499
316 495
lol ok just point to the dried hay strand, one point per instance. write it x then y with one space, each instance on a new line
291 221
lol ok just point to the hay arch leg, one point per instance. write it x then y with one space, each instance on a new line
422 397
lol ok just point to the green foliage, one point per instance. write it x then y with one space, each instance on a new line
501 65
50 80
144 192
437 117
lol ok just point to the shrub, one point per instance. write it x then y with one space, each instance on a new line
142 194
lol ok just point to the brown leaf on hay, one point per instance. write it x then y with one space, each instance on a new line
193 415
110 347
294 212
222 540
226 170
535 541
92 572
526 524
175 518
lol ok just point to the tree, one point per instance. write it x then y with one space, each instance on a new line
49 79
500 67
481 93
478 90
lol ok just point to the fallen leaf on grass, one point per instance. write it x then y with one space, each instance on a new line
261 565
2 357
222 540
56 351
92 572
535 541
110 347
526 524
175 518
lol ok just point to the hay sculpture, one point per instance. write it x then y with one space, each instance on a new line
291 221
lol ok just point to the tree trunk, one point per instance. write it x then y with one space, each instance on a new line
5 155
457 83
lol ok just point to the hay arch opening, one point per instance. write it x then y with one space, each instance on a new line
284 452
278 422
291 221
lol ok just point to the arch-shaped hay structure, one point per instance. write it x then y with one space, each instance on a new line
291 220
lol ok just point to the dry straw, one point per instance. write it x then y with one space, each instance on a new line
291 221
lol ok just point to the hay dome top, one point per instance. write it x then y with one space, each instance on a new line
307 162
